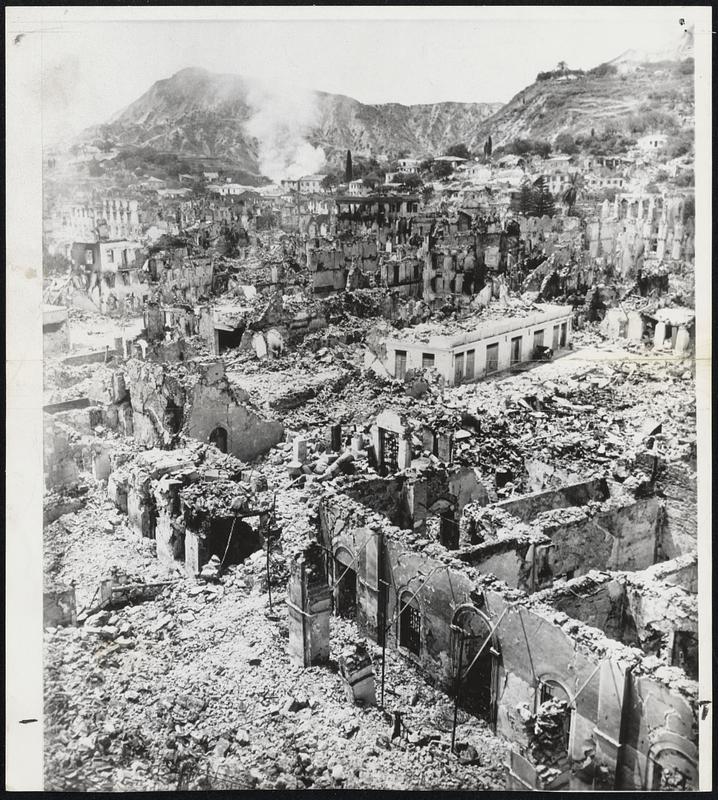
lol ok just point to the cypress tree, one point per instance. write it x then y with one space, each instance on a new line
348 172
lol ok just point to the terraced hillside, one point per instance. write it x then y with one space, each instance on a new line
652 95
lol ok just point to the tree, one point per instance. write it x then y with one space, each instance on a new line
427 193
488 146
562 66
459 151
409 179
330 182
525 198
348 172
571 194
442 169
542 200
565 143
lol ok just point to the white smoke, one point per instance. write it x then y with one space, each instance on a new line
282 117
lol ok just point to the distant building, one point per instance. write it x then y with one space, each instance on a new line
226 189
115 218
153 184
103 257
652 142
479 173
454 161
311 184
410 165
210 176
595 181
358 189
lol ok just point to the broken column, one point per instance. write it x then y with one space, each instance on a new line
299 449
357 669
659 335
683 341
309 601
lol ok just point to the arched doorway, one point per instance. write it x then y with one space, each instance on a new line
218 438
479 660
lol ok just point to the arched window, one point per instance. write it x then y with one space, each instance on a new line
550 689
409 623
671 770
476 650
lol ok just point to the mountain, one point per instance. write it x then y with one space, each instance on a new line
680 48
199 113
651 94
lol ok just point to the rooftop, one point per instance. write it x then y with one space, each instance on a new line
492 321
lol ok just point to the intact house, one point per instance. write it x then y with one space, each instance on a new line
357 188
311 184
408 165
652 142
481 347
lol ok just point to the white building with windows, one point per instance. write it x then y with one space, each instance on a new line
652 143
410 165
357 188
477 350
311 184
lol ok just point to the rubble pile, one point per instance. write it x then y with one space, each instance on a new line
546 733
181 670
195 688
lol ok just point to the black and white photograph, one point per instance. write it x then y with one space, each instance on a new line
358 398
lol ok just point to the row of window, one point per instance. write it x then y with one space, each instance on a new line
464 363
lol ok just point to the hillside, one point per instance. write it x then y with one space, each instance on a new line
199 113
657 94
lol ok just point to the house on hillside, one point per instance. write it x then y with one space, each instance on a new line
311 184
410 165
652 142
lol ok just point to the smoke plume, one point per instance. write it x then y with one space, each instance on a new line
281 120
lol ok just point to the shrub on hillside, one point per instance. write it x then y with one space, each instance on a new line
602 70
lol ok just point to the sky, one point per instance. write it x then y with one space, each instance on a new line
95 63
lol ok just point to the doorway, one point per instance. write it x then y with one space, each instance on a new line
345 589
479 660
458 369
515 350
409 623
492 358
389 456
232 539
218 438
229 340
